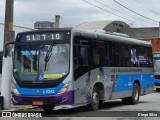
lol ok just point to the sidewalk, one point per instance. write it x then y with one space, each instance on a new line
23 108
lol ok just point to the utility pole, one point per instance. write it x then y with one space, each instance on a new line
8 29
159 30
7 60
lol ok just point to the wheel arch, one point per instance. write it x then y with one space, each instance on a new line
100 87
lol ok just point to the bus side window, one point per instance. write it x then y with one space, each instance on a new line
143 57
111 52
83 56
150 57
76 62
99 54
81 59
115 54
95 57
127 56
75 57
102 54
134 56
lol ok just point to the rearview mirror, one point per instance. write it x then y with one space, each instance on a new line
7 48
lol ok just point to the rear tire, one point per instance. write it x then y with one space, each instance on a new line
94 105
134 99
157 89
48 108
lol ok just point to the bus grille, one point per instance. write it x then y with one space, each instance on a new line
30 100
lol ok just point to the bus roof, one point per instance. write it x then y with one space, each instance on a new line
110 37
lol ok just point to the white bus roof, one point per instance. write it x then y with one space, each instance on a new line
110 37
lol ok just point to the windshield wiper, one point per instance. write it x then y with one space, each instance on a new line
48 54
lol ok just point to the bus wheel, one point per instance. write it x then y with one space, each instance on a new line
48 108
134 99
94 105
157 89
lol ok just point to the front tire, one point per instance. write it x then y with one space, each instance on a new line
94 105
48 108
134 99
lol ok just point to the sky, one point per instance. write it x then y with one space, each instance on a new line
75 12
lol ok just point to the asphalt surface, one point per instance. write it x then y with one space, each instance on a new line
147 109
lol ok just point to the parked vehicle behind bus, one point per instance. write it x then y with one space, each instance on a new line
156 57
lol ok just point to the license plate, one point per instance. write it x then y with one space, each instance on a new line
38 103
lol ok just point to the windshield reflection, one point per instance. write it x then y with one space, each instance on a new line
43 62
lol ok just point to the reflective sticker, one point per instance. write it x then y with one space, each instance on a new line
53 75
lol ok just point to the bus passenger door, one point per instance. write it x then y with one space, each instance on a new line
81 70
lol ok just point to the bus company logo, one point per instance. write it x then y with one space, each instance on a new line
20 115
6 114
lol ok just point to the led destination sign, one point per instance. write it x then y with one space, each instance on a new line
44 36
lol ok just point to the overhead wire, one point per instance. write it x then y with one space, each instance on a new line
119 11
25 20
135 12
140 2
111 12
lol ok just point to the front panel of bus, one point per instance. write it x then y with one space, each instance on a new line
41 68
157 70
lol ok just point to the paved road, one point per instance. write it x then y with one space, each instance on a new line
112 110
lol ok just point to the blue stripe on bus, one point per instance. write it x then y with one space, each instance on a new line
39 91
125 82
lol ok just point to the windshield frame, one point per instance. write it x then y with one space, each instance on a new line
38 44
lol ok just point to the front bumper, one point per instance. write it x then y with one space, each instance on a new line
59 99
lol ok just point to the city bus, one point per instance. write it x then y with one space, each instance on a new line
78 67
156 58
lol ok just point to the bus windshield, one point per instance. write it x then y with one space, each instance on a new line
39 63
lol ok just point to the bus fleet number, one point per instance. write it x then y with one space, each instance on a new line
48 91
43 37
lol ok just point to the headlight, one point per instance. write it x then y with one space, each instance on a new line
63 89
15 91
